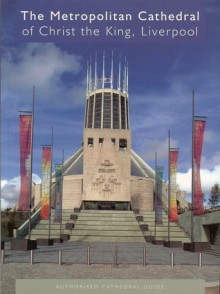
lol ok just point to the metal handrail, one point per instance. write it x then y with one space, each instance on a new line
23 229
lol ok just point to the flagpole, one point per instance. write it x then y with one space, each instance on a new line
155 200
50 187
31 168
169 186
61 196
193 176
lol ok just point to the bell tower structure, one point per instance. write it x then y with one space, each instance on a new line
107 137
105 173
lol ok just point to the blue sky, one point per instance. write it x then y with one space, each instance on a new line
161 79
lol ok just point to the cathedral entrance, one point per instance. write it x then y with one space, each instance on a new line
106 205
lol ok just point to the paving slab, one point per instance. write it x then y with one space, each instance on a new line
129 264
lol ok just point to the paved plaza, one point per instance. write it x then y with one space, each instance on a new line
105 264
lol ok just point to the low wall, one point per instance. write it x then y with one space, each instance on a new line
201 223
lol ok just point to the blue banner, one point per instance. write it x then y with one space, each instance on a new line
58 193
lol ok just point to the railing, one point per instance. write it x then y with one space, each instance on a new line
114 257
211 209
23 229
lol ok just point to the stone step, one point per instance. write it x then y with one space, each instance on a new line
106 213
65 215
152 219
64 212
152 223
175 238
153 216
164 233
150 213
103 233
103 223
107 239
105 220
46 232
101 212
46 222
43 236
107 217
53 226
42 227
165 228
106 227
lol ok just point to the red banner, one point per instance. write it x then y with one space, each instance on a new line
199 129
25 161
173 214
46 181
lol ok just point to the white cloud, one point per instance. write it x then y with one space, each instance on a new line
184 181
36 179
3 183
10 190
208 179
43 65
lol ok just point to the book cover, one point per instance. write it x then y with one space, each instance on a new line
116 85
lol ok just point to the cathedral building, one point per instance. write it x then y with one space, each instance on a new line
105 173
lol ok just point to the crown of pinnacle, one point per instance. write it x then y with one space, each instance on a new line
116 78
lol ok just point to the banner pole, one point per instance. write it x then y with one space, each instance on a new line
155 200
31 168
193 188
169 186
50 183
61 196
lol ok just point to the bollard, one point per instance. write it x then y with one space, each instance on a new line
144 256
60 257
32 257
200 259
88 255
3 256
172 259
116 256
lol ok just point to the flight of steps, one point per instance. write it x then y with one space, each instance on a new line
41 228
106 226
176 232
109 226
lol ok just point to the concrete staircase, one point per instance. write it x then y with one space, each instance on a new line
109 226
41 228
93 226
176 232
106 226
